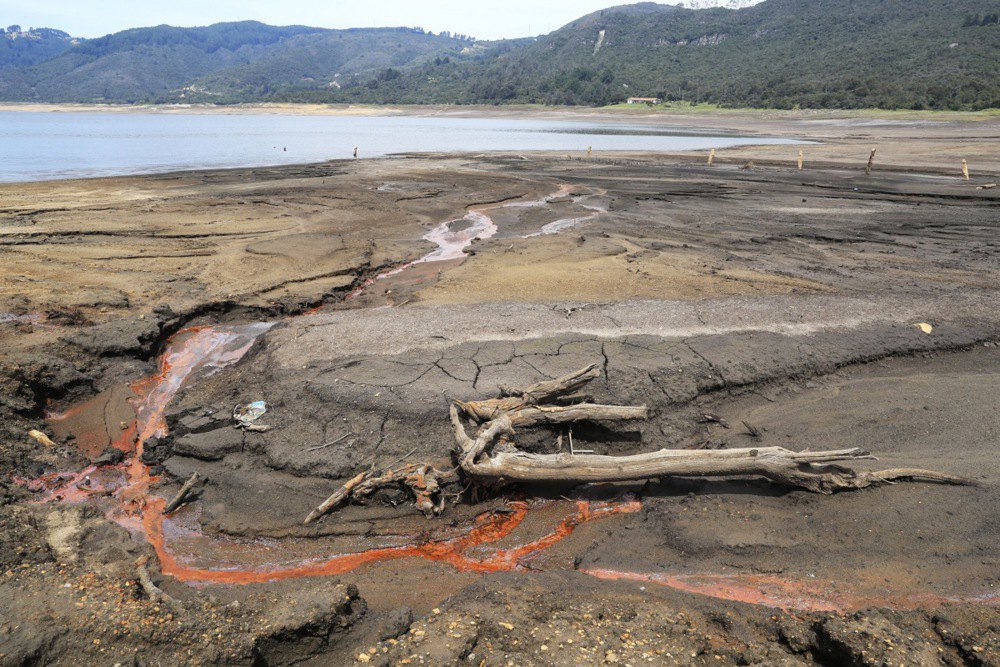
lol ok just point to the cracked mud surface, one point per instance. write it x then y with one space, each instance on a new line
783 299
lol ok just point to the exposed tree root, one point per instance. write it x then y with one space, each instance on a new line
152 591
423 481
491 458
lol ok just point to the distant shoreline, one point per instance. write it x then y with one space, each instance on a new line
934 142
263 109
639 113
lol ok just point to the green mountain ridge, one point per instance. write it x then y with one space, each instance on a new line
225 62
779 54
319 61
938 54
26 47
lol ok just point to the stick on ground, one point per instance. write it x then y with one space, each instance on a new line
492 459
338 496
480 460
178 500
152 591
331 443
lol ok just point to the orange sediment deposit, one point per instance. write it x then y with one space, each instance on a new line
486 529
205 349
787 592
200 351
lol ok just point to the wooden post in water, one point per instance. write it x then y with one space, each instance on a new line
871 161
711 157
800 159
965 170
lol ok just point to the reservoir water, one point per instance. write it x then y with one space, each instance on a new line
51 145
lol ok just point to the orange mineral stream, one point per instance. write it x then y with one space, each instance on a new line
200 351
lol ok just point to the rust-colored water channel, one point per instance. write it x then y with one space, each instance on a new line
198 351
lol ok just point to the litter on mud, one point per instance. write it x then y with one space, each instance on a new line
246 416
41 438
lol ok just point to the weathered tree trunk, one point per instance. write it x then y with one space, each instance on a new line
808 470
491 457
513 400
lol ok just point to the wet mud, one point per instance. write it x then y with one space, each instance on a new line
358 300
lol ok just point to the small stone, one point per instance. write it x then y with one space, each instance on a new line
397 623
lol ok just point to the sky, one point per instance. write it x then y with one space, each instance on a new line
483 19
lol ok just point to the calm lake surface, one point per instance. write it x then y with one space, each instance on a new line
48 145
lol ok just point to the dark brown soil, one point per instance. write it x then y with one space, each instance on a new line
786 300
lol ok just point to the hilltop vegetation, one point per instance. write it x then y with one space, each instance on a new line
26 47
226 62
779 53
319 61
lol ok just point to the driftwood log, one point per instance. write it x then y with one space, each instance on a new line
491 458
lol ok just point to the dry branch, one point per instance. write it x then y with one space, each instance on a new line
491 458
808 470
338 496
178 500
152 591
331 443
536 415
814 471
541 392
423 481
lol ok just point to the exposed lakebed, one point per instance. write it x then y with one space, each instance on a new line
696 290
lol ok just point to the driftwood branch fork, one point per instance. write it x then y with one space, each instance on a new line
492 458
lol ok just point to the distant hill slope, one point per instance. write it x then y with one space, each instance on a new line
142 65
320 61
779 53
24 48
706 4
226 62
939 54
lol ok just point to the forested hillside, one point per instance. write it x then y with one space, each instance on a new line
24 47
226 62
780 53
934 54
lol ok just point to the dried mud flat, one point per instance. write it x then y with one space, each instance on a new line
143 309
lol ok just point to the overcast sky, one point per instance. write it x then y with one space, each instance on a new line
485 19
